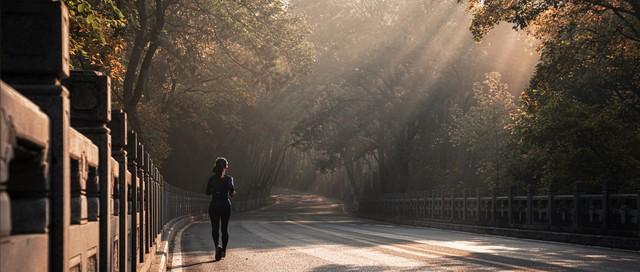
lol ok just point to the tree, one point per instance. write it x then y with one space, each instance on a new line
483 129
147 32
578 119
213 73
97 38
386 76
222 82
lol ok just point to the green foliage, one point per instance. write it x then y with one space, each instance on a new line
483 129
381 91
579 119
222 76
568 140
97 36
216 74
155 133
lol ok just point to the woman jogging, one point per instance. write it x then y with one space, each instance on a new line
220 187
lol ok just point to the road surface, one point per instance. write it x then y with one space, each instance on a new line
304 232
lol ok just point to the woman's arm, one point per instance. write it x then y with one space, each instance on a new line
232 187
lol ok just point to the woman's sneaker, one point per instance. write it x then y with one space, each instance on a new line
218 253
224 252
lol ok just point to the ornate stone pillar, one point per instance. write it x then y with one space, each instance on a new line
90 113
132 162
118 126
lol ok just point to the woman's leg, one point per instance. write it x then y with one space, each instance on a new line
224 228
214 216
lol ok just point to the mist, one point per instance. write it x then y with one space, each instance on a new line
352 98
372 105
378 100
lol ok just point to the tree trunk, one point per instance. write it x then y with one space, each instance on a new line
138 72
136 53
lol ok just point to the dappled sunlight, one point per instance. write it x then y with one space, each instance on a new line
471 246
383 92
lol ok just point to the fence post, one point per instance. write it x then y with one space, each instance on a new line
406 204
152 204
416 195
24 182
550 206
141 202
452 205
147 201
118 126
159 193
577 224
638 212
412 204
464 205
510 206
5 160
425 203
432 201
156 205
35 56
408 196
605 207
442 215
90 113
161 200
402 200
477 205
494 207
156 194
530 190
132 163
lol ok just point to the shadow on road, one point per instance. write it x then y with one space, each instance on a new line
369 268
191 264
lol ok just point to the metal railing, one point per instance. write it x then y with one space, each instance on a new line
78 191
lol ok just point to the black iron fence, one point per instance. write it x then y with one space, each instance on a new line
78 191
601 214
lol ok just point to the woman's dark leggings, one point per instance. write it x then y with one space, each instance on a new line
220 215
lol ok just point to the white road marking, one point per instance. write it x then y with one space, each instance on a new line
176 257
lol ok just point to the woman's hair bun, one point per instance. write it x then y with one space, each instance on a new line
221 162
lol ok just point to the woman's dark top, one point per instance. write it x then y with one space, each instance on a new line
220 189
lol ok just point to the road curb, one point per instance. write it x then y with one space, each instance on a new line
168 234
169 231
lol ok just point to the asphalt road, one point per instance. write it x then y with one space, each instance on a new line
303 232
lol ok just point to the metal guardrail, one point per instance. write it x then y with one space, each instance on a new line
78 191
601 214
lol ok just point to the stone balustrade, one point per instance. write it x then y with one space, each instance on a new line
78 190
